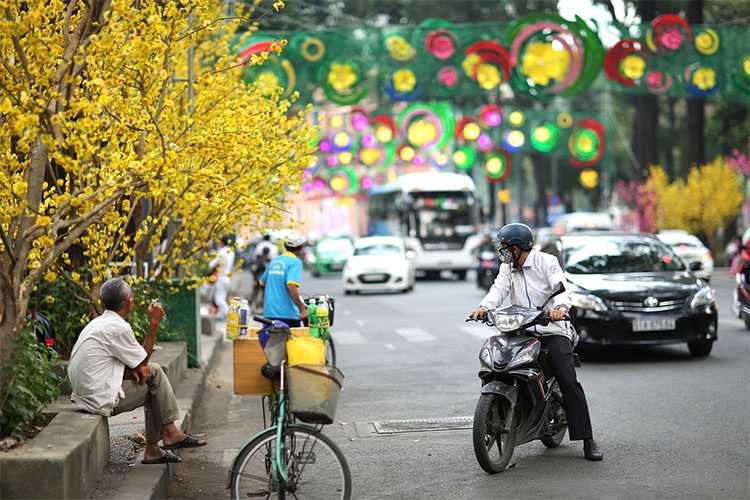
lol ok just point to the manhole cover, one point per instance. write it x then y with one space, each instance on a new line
423 424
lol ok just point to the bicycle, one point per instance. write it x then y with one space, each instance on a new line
289 457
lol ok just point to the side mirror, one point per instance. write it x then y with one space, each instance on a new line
696 265
557 290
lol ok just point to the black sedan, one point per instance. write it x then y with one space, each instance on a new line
631 289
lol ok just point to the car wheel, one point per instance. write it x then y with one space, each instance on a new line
460 275
746 319
347 292
700 348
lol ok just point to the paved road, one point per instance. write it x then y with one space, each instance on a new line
671 426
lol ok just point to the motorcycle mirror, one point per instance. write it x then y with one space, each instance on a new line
557 290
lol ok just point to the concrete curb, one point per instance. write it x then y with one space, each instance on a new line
152 481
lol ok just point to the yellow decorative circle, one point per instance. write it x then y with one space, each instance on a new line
459 157
407 153
589 178
488 76
633 66
704 78
471 131
541 134
369 156
342 77
337 121
399 49
404 80
420 132
707 42
384 134
392 176
746 65
345 157
564 120
341 139
338 184
313 49
494 165
516 118
516 139
542 62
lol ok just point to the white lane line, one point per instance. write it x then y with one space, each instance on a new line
415 335
390 347
360 322
347 337
479 331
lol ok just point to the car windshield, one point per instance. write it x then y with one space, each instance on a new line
378 249
621 254
337 245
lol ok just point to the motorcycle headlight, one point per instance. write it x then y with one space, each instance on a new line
703 297
587 301
525 355
508 322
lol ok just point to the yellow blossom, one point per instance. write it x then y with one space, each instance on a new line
704 78
404 80
542 63
341 77
278 5
49 299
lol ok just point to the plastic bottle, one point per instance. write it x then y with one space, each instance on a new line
321 312
312 319
233 319
244 323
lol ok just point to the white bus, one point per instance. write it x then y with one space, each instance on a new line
437 215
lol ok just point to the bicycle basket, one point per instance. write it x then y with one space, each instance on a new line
314 392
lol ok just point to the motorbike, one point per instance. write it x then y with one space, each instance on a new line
741 302
489 266
520 399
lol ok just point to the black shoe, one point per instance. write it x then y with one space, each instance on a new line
591 450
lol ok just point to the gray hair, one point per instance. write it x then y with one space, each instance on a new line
114 294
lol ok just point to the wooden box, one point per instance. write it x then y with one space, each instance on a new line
249 359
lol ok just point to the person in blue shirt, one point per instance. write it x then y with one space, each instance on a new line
281 281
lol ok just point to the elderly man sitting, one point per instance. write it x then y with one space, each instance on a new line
110 373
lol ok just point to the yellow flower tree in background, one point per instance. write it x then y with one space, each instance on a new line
103 149
703 204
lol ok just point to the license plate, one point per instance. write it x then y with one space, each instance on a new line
654 325
335 267
373 277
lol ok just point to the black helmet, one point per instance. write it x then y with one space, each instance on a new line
516 234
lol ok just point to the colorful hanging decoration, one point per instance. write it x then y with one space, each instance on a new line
398 48
464 157
551 55
492 115
488 63
545 138
312 49
625 62
586 143
342 82
701 80
344 181
402 85
513 140
668 33
589 178
497 165
275 72
707 42
427 126
359 118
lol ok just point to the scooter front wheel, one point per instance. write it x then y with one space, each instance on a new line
494 441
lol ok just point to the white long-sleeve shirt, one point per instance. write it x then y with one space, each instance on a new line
530 286
225 260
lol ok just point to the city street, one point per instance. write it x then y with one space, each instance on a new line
670 426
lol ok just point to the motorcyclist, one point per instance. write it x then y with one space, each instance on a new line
485 245
527 277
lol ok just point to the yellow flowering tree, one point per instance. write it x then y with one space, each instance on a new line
106 148
707 201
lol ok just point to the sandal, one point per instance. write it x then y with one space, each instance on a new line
167 458
188 442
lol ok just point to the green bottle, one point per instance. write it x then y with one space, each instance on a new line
312 320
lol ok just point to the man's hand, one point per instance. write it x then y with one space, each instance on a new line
556 314
155 312
141 373
303 314
478 313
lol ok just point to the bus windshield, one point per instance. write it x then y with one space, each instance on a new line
441 218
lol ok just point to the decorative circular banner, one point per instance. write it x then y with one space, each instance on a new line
275 72
668 33
586 142
488 63
427 126
342 82
497 165
545 138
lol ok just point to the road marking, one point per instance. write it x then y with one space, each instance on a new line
415 335
390 347
480 332
347 337
360 322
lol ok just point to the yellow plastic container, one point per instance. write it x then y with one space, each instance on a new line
305 350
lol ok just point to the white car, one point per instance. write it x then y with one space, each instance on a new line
379 263
690 249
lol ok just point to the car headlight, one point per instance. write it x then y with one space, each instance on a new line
704 297
508 322
527 354
587 301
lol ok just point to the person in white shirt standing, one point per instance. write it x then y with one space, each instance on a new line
110 373
223 263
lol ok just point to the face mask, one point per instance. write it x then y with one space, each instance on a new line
506 255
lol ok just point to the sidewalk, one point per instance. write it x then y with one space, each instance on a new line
125 476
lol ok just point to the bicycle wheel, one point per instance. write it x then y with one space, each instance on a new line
316 467
330 352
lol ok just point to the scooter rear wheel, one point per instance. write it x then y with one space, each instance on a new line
493 444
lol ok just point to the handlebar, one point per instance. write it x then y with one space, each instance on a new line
261 319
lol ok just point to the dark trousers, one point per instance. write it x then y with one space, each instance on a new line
577 410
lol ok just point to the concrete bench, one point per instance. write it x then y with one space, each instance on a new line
69 455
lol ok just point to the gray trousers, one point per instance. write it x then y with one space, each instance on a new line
157 398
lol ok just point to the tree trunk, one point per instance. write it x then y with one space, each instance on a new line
696 148
646 110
